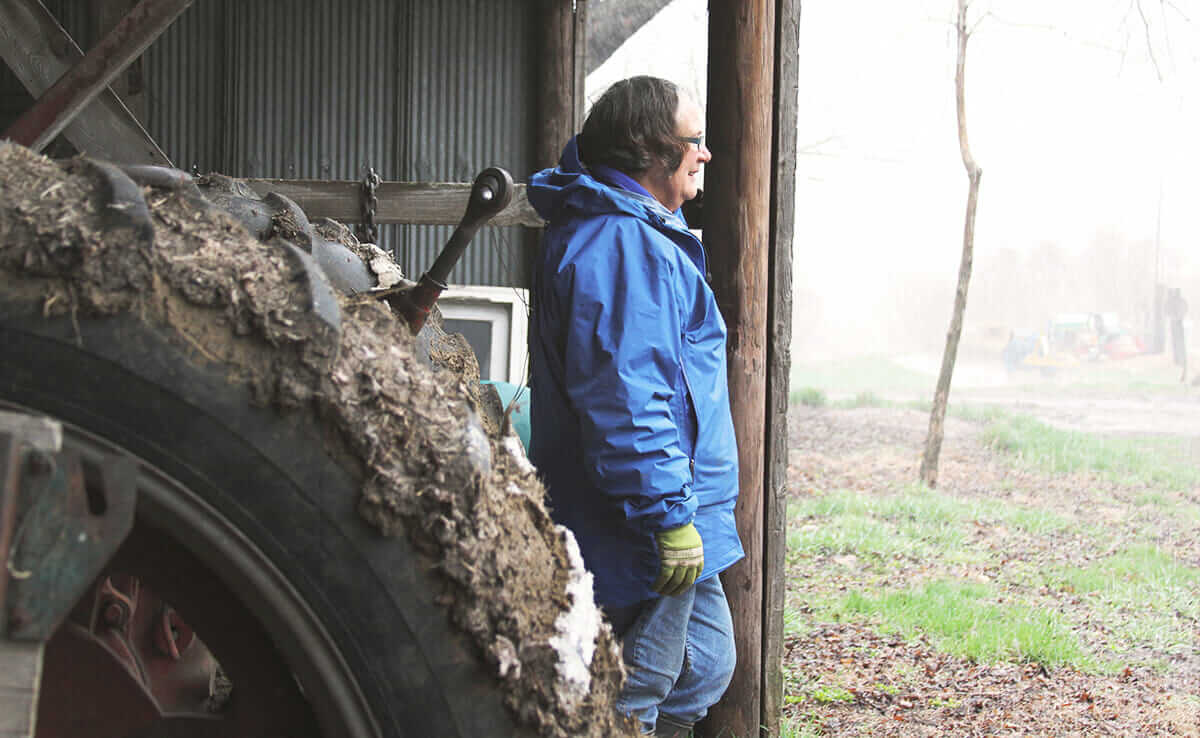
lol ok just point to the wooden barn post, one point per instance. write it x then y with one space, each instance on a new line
737 233
562 51
779 361
560 76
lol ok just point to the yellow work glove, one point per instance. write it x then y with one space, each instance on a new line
681 559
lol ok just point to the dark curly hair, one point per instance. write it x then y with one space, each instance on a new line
632 127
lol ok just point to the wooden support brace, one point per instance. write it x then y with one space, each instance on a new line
39 51
92 74
414 203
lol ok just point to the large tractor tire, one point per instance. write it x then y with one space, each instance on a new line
262 514
268 517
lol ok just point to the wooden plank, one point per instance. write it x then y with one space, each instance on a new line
779 361
414 203
39 52
90 76
741 42
20 677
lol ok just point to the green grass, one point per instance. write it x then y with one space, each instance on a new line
915 522
1146 597
875 374
967 619
855 534
1151 462
974 413
809 397
985 578
793 622
1144 566
1149 597
815 397
1152 499
826 694
804 726
866 398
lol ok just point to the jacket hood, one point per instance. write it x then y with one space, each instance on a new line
570 189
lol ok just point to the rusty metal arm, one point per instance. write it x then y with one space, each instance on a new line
490 194
59 105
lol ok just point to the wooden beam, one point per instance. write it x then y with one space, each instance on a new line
561 50
91 75
414 203
779 359
130 85
39 52
559 94
741 44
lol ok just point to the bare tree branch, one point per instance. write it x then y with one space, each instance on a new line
978 21
1173 6
933 441
960 91
1125 25
1162 8
1149 40
995 19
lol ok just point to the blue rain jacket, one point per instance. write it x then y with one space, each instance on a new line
631 429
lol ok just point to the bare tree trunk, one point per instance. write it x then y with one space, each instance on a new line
933 442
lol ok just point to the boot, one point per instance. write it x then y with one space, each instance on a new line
668 727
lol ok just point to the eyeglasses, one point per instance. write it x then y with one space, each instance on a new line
698 140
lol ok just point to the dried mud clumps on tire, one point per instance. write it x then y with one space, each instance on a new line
467 498
210 262
474 504
59 222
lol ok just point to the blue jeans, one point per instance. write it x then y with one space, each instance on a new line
679 655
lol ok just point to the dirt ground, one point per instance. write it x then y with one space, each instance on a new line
905 687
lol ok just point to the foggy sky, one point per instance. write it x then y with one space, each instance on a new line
1079 113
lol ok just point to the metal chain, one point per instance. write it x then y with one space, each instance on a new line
368 231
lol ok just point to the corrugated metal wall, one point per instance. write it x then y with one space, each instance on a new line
421 91
73 16
313 91
186 72
473 90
